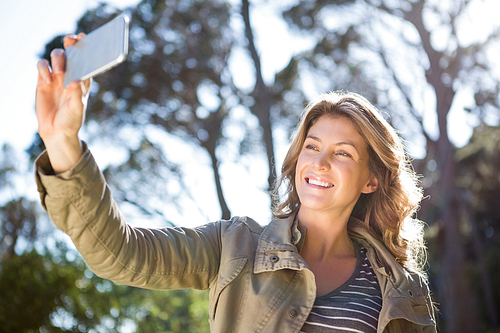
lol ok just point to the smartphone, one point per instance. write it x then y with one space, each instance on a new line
99 51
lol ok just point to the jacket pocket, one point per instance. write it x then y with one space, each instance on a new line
227 273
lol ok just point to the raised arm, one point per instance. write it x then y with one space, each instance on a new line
79 202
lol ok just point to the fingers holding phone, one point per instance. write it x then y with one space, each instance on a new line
58 61
72 39
57 108
85 85
64 86
60 110
46 73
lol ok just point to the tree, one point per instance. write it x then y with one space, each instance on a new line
50 293
18 215
46 286
176 80
477 178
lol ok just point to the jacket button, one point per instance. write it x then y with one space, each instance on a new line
274 259
293 313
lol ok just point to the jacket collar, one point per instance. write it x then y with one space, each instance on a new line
280 242
279 246
384 262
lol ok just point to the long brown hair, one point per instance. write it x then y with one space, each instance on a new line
388 212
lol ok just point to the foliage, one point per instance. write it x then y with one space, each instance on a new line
479 181
479 162
52 290
177 82
49 293
31 291
174 81
18 215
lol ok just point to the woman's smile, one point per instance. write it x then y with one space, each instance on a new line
318 182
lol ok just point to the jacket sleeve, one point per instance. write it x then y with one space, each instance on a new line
79 202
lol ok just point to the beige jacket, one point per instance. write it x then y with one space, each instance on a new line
258 281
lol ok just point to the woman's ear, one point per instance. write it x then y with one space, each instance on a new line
371 186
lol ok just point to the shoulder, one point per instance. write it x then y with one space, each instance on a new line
238 224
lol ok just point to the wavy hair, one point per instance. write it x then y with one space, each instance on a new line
388 212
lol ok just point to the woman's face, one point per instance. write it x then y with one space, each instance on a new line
332 168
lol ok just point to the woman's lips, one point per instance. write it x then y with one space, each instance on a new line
318 182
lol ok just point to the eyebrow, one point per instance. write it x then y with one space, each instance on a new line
342 143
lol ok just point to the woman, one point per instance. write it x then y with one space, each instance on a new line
341 254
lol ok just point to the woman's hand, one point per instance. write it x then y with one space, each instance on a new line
60 111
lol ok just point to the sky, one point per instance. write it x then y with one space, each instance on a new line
27 25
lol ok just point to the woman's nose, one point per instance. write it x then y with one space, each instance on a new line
321 163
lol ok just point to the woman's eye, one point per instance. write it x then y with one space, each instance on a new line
343 153
311 147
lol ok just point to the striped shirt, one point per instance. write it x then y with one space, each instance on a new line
352 307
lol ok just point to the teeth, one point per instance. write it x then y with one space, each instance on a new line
319 183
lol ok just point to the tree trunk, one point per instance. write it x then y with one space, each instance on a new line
459 306
262 107
226 213
263 98
486 285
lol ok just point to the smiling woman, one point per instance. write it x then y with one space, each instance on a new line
387 213
346 174
315 267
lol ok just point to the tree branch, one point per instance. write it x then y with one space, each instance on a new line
245 12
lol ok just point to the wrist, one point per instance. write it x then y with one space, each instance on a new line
63 151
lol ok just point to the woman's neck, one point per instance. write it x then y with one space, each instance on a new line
327 236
